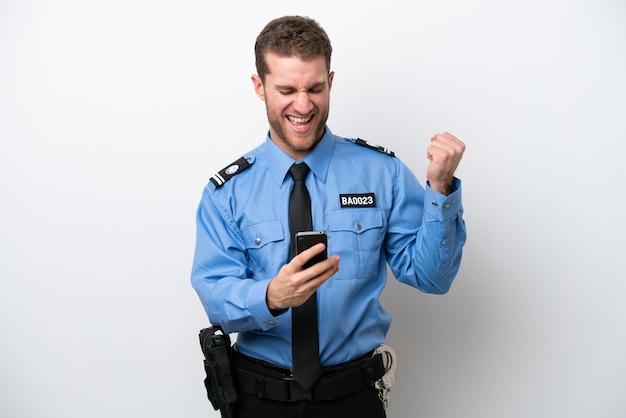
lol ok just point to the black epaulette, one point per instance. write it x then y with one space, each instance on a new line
227 173
378 148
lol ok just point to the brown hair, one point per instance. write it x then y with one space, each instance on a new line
290 36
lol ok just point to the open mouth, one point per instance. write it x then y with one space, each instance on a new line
300 123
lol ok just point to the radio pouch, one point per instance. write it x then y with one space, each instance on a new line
219 383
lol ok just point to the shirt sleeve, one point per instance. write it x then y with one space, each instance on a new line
426 234
220 273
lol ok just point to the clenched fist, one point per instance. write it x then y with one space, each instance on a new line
444 152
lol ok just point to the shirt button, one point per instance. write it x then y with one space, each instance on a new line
358 227
272 322
443 242
446 206
257 241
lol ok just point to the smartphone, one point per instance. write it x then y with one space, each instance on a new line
307 239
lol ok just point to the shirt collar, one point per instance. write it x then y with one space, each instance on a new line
318 159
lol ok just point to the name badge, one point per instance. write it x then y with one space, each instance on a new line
360 200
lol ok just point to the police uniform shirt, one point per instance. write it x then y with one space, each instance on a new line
374 211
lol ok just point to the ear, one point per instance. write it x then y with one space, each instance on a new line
331 75
258 86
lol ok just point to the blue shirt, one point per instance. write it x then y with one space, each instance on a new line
243 240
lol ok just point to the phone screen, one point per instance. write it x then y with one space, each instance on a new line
307 239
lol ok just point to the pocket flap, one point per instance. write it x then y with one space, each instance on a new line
258 235
357 220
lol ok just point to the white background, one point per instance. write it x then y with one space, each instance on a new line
113 115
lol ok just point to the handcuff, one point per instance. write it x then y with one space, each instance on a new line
389 363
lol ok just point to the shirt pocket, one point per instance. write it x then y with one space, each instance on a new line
266 245
356 235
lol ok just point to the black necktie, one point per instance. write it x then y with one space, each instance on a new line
305 345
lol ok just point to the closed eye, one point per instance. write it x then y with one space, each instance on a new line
314 89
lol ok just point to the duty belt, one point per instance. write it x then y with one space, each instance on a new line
269 382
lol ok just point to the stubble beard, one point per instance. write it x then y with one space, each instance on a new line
318 132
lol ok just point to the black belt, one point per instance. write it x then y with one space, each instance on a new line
270 382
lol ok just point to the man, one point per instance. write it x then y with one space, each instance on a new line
374 212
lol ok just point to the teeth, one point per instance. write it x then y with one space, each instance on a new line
299 120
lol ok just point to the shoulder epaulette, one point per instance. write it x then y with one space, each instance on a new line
231 170
378 148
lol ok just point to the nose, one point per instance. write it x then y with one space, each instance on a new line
302 102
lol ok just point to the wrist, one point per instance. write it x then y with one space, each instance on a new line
443 187
274 309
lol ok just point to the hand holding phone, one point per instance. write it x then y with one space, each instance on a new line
293 285
307 239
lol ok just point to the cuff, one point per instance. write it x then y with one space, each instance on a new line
440 207
258 307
